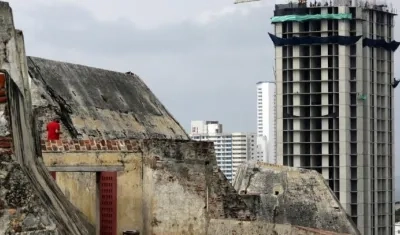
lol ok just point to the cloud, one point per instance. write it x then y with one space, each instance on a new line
202 63
198 70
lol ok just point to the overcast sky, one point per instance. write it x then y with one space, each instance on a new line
202 58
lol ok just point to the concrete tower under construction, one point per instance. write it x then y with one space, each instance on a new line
335 86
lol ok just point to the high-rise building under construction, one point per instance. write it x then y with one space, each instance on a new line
335 84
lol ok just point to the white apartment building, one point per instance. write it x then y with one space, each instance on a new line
266 122
397 228
335 101
231 149
243 148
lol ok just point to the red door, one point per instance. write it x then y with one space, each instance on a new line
108 203
54 174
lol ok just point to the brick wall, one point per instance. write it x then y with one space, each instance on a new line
90 145
5 137
5 143
178 149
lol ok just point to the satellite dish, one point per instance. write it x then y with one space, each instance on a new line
245 1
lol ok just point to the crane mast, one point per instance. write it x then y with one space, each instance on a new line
245 1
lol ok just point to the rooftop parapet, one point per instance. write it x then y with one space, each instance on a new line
300 7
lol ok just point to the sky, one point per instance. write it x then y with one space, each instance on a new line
202 58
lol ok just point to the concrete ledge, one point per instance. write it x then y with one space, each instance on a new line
93 168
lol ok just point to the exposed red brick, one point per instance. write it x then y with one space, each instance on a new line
3 99
89 145
5 144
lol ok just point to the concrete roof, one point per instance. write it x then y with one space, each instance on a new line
99 103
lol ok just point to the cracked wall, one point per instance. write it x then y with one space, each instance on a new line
167 186
296 196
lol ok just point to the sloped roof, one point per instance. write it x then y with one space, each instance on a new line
99 103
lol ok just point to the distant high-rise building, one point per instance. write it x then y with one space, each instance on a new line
231 149
206 127
266 120
243 148
335 101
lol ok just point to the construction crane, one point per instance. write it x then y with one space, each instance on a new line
245 1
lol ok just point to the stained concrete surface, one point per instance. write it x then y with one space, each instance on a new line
98 103
229 227
280 194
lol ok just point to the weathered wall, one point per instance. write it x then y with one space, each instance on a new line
26 204
171 187
80 189
229 227
291 195
163 188
20 208
97 103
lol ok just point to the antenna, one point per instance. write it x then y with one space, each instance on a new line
245 1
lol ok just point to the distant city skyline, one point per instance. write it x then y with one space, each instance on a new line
200 58
231 149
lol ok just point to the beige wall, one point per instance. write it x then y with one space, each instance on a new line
80 188
161 194
158 203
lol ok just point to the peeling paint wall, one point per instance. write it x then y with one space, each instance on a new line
162 189
80 188
167 186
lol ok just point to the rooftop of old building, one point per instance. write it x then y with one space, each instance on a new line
98 103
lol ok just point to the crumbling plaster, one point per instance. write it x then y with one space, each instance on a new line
175 187
281 194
